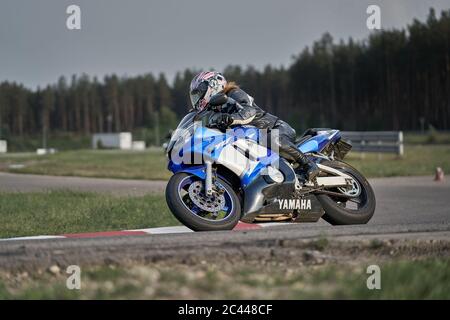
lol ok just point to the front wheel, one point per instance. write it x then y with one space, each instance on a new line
186 199
359 209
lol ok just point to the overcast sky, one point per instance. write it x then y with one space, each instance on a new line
130 37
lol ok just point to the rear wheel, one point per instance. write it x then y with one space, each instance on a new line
359 209
186 199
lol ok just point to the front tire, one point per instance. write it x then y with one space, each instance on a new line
190 215
336 213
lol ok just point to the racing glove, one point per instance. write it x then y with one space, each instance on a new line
223 121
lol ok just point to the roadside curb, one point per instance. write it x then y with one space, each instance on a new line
241 226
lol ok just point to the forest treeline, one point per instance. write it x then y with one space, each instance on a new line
394 79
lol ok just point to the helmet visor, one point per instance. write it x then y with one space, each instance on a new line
197 93
195 98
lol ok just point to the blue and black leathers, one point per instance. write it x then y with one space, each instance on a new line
241 110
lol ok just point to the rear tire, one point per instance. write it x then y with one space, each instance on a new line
337 215
190 219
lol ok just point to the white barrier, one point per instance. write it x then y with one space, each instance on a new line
122 140
3 146
138 145
43 151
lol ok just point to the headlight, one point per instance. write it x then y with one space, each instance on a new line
272 175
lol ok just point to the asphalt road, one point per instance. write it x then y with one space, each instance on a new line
406 206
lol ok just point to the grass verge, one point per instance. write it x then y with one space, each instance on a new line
151 165
417 161
400 279
59 212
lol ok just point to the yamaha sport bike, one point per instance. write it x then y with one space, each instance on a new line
221 178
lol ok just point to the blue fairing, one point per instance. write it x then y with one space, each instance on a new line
207 143
320 141
198 171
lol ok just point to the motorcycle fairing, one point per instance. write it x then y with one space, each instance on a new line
260 193
199 171
210 143
224 148
318 142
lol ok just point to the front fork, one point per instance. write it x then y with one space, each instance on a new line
209 178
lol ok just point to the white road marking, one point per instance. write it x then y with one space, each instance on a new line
165 230
34 238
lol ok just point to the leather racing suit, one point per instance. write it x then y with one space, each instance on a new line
241 110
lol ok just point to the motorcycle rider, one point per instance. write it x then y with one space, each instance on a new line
240 109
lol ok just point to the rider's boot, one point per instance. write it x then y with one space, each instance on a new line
311 169
290 151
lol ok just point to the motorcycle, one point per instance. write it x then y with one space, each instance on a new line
221 178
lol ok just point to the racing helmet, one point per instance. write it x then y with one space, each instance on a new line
203 86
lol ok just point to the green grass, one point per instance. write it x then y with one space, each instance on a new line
429 279
418 160
57 140
150 165
430 137
400 279
25 214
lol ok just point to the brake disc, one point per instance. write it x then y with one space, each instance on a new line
354 190
213 203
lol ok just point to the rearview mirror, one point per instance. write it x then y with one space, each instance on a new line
218 99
